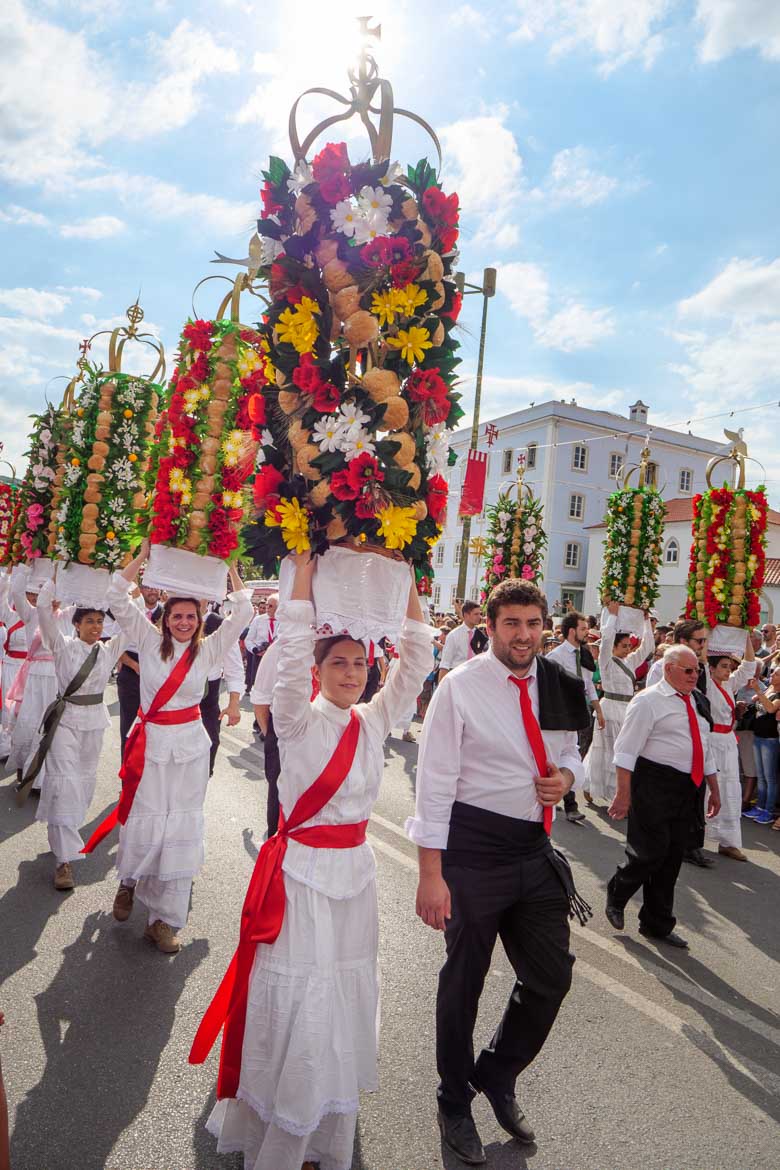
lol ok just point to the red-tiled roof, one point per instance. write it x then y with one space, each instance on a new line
681 508
772 572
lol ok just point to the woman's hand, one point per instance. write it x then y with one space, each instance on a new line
235 579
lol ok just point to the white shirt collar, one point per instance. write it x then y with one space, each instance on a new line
338 715
503 671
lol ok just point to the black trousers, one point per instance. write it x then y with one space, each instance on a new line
209 713
128 690
250 669
663 805
272 769
698 822
502 885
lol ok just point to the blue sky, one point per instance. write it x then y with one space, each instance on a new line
617 161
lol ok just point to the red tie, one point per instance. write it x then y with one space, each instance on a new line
697 765
534 733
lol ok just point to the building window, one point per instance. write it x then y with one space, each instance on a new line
506 465
672 553
686 480
616 461
436 596
452 596
530 456
439 554
571 558
576 506
474 593
579 457
651 478
456 557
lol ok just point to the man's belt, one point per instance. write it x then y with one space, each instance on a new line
617 698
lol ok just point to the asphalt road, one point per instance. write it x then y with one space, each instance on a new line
659 1060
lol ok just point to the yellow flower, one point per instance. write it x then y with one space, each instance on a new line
398 526
249 361
133 458
299 327
110 535
384 305
233 447
232 499
409 299
127 413
178 482
432 540
75 462
412 343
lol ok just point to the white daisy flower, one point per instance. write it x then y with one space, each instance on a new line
345 217
357 442
351 417
328 433
302 177
394 172
368 228
374 202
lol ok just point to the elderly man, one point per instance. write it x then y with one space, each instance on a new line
769 634
662 757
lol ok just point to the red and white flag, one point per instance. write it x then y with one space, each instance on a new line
472 494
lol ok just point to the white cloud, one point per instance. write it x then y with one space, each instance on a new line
99 227
80 290
734 356
165 201
466 17
33 302
502 395
572 180
484 165
617 31
745 289
732 25
571 327
575 327
23 217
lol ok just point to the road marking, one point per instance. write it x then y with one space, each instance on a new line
635 999
392 826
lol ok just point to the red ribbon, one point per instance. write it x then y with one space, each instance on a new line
6 649
264 905
723 728
535 739
135 749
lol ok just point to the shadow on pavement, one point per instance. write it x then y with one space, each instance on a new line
26 907
205 1146
104 1020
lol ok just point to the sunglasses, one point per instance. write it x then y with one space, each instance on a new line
687 669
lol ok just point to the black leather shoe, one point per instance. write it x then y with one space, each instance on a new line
459 1134
615 916
575 816
673 939
698 857
508 1113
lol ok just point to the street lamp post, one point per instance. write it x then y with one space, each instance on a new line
487 290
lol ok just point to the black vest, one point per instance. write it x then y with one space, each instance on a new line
562 703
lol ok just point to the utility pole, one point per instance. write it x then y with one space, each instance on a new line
487 290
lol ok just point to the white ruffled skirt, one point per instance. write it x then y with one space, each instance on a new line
600 778
40 690
310 1044
10 668
726 827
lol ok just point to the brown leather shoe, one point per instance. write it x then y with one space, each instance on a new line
123 902
63 877
164 937
733 852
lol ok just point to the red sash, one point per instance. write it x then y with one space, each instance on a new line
7 648
263 911
725 728
135 749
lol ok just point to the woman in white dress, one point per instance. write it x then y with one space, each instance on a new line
69 768
13 651
722 685
40 682
291 1085
166 764
617 663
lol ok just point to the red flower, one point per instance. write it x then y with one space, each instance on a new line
385 250
326 398
342 487
330 169
436 499
366 507
266 483
270 206
199 334
307 376
255 381
404 272
434 202
256 409
424 384
363 469
199 370
453 312
294 293
448 238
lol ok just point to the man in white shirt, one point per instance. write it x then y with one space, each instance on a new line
663 759
260 698
459 646
498 750
260 634
576 659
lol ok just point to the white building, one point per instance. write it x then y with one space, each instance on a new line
573 455
674 564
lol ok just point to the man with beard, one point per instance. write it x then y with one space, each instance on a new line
498 751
